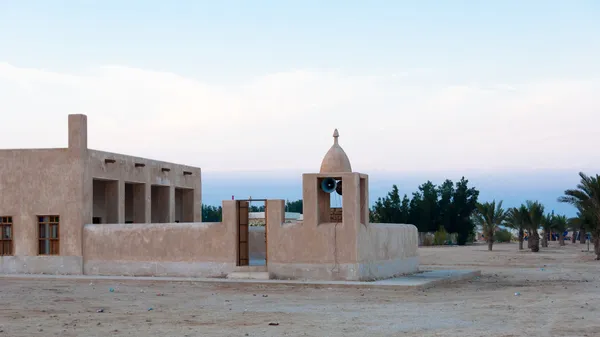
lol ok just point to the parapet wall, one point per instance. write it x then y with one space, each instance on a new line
171 249
168 249
387 250
342 251
304 250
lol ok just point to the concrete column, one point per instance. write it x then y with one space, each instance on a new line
121 201
309 199
351 202
147 203
230 222
78 133
364 199
198 199
171 210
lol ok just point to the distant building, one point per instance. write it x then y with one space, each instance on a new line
258 218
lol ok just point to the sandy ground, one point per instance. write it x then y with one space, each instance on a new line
559 296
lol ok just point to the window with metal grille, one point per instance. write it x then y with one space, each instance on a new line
48 235
6 243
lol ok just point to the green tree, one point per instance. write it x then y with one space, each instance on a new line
517 219
387 209
535 216
502 235
547 222
574 226
404 210
257 208
489 216
430 208
586 197
424 208
445 209
464 204
211 213
294 206
560 223
578 224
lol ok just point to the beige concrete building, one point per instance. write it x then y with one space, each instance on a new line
48 195
83 211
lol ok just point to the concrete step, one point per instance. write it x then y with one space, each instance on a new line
263 275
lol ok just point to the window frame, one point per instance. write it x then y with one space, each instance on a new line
51 244
6 221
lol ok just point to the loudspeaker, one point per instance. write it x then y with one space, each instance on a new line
328 185
338 187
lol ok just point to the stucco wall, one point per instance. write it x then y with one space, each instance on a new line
41 182
124 171
303 250
171 249
61 182
349 250
386 250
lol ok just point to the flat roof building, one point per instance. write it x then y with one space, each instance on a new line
48 195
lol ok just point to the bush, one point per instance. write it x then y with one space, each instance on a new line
470 238
428 240
502 235
440 237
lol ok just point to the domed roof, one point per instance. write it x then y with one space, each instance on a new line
336 160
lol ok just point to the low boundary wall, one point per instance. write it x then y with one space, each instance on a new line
170 249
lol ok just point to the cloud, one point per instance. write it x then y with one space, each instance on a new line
404 121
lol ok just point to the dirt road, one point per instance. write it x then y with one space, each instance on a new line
558 295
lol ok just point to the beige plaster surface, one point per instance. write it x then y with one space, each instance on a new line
350 250
42 182
22 264
35 182
335 159
159 242
124 171
387 241
176 249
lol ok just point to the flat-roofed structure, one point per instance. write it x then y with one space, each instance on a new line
48 195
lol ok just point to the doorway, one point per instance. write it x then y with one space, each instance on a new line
252 232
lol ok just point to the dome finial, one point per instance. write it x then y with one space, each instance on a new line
335 160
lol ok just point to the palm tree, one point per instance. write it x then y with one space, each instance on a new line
574 225
489 216
517 219
586 197
546 228
560 223
535 216
578 225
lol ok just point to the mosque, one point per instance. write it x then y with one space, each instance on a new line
78 211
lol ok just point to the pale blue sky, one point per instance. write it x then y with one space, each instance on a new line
232 39
413 86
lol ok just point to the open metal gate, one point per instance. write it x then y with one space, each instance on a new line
243 208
